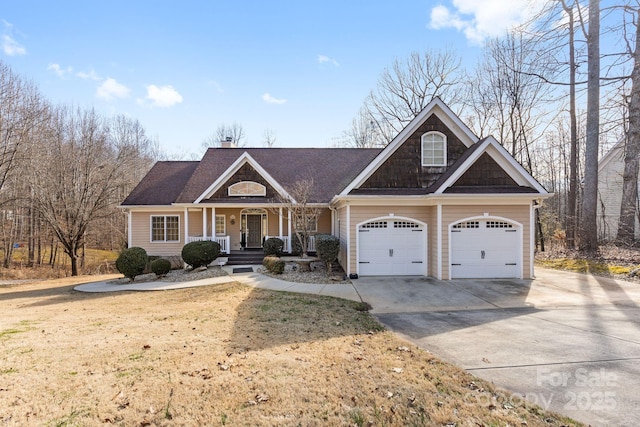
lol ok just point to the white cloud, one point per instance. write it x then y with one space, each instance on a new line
323 59
479 19
90 75
272 100
9 44
110 89
163 96
60 72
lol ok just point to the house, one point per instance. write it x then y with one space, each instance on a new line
436 201
610 173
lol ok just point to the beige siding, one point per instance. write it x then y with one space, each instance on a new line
195 222
360 214
141 234
324 222
342 235
518 213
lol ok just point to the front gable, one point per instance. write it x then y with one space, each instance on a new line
246 173
403 169
244 169
485 172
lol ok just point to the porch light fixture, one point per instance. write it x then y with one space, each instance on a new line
232 219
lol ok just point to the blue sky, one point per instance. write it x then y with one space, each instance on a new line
299 68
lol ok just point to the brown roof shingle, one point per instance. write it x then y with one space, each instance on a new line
332 169
162 184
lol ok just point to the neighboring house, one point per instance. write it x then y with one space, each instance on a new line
436 201
610 172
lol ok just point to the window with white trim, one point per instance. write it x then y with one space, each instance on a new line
312 223
221 224
247 188
165 228
434 149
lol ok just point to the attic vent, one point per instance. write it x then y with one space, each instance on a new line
247 188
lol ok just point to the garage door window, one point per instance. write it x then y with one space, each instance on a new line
467 224
375 224
405 224
498 224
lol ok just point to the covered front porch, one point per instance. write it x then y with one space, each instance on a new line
240 228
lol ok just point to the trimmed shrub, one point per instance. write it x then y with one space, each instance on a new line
161 266
200 254
273 264
327 248
132 262
273 246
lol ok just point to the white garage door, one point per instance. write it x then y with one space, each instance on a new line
485 248
392 247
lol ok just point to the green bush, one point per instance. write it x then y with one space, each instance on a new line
132 262
273 264
327 248
200 254
161 266
273 246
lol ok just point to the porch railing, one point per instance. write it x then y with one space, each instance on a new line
223 241
311 243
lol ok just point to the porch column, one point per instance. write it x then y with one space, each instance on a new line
289 229
186 225
204 223
213 223
280 221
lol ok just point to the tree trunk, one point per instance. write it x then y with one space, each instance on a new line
573 154
589 231
627 220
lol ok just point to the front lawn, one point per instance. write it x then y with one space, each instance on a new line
225 355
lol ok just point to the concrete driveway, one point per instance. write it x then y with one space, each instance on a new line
567 342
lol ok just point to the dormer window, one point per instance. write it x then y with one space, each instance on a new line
434 149
247 188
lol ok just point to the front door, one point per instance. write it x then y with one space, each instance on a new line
254 231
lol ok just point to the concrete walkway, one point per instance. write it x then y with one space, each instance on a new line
253 279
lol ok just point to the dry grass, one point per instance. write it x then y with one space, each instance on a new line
96 262
609 261
224 355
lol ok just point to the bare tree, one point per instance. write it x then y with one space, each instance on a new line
628 207
364 132
304 213
79 177
408 86
269 138
589 230
233 133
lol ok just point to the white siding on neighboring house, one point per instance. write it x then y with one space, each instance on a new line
610 171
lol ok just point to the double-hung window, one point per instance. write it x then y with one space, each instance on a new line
165 228
220 225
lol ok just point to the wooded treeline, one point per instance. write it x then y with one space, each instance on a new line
63 172
549 93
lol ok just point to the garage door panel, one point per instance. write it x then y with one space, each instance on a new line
391 247
485 249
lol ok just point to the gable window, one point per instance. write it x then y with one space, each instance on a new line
434 149
220 225
247 188
165 228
